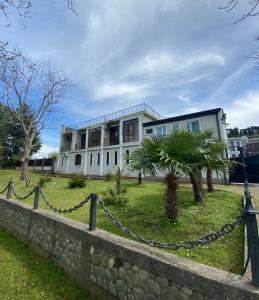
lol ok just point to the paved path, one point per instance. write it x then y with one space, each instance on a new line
254 189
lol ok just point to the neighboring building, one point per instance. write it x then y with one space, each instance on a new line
252 146
234 144
98 146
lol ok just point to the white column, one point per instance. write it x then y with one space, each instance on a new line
140 128
86 152
121 143
101 153
67 168
73 145
60 144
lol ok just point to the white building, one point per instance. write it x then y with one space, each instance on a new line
98 146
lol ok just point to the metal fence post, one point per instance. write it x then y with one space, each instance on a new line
252 238
36 197
93 204
9 189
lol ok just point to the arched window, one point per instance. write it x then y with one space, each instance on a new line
78 160
127 157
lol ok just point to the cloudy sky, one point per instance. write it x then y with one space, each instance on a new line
178 56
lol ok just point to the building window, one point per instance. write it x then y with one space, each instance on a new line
98 159
116 158
149 131
78 158
114 135
91 159
130 130
62 161
161 130
94 138
176 127
107 158
127 157
193 126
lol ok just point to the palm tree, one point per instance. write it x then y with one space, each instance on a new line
137 163
214 149
170 155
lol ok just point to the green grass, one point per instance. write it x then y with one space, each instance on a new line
24 275
144 214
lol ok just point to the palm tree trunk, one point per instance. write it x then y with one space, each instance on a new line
171 205
209 180
201 184
197 187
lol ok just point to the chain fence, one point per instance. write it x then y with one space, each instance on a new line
4 190
210 237
22 197
205 239
66 210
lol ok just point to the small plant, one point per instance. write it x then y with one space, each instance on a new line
109 176
43 180
114 194
76 181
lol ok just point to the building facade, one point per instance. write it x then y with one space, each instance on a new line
99 146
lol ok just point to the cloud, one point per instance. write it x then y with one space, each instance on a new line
244 110
184 98
45 151
121 89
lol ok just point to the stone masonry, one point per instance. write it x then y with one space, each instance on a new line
112 267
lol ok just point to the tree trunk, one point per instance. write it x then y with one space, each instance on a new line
25 163
209 180
171 205
139 177
197 187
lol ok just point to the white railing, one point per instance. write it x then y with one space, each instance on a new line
116 115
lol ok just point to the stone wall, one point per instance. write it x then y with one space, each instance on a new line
113 267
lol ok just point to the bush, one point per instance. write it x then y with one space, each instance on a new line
76 181
43 180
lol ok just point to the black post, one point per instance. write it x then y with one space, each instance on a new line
92 221
9 189
36 197
252 238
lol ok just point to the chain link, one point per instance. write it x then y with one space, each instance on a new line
4 190
22 197
210 237
67 210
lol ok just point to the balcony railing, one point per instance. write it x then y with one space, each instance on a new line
65 148
118 114
108 142
79 146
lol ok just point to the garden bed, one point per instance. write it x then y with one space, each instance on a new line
144 214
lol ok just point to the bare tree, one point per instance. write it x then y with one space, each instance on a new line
22 8
253 8
35 86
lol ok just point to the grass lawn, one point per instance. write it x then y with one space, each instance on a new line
144 214
27 276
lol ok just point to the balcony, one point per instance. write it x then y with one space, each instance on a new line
109 142
65 148
79 146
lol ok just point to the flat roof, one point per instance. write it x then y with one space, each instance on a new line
208 112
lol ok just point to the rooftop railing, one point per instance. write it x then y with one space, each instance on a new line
116 115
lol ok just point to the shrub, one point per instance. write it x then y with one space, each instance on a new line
76 181
43 180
